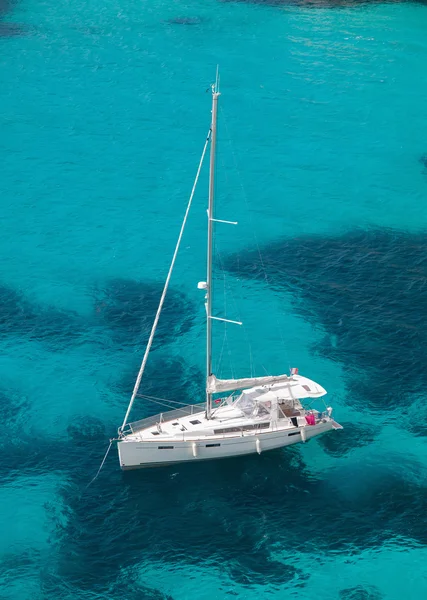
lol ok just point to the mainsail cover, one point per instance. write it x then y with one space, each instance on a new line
227 385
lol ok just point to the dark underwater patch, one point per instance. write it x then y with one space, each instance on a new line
125 588
414 418
327 4
83 429
10 30
162 508
19 317
360 592
185 21
168 377
5 6
250 570
423 160
14 565
251 507
13 562
13 407
347 439
127 308
14 309
13 416
368 291
59 326
31 454
23 457
124 311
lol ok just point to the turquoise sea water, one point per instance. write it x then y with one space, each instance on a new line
323 161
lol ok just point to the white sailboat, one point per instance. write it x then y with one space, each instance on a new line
254 415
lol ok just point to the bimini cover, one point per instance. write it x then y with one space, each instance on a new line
263 400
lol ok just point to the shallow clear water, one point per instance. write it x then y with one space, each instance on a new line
322 160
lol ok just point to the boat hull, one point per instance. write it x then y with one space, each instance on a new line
142 454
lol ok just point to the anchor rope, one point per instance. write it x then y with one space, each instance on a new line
101 465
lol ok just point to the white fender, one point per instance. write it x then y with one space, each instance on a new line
258 446
303 433
194 447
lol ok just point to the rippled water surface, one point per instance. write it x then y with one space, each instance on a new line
323 161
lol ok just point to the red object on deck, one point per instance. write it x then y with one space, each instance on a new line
311 419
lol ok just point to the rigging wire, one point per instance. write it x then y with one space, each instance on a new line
160 400
165 289
225 343
228 289
264 270
162 299
219 361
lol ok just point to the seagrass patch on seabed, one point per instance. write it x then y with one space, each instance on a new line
21 317
127 308
327 4
8 29
367 291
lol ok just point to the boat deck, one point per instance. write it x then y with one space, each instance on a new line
190 423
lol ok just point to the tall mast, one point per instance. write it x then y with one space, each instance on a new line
209 284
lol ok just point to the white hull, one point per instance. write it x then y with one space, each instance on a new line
140 454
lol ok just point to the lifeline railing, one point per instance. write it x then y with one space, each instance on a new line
163 417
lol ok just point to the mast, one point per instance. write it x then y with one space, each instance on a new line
209 284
